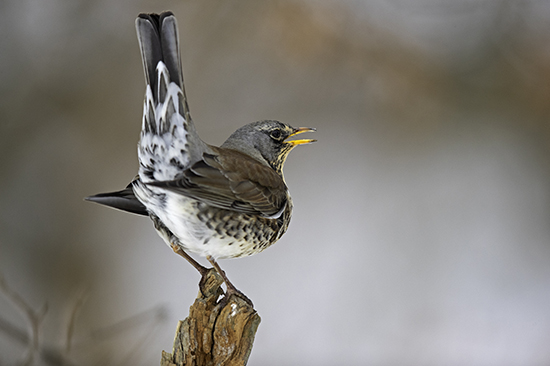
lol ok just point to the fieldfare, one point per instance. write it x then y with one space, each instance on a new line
218 202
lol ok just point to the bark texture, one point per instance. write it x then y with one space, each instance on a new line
218 331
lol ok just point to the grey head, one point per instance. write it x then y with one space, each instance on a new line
267 141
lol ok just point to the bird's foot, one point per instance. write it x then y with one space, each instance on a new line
231 290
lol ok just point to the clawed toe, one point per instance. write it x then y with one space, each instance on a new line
231 290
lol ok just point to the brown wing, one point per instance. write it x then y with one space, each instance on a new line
232 181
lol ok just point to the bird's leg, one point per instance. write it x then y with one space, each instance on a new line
177 249
204 285
231 289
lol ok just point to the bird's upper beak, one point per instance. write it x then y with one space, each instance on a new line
298 131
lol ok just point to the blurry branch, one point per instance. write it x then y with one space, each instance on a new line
35 319
156 314
141 326
14 332
81 298
215 332
48 356
41 354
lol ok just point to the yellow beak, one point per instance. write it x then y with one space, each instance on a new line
302 141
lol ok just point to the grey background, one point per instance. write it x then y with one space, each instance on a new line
420 233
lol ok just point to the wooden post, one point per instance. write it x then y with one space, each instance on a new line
218 331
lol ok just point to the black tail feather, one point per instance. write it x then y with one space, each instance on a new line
158 41
124 200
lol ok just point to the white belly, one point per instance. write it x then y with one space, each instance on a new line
191 225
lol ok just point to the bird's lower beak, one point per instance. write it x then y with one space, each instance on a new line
302 141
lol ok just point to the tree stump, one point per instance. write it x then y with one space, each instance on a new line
218 331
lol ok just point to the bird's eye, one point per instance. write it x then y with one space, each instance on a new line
276 134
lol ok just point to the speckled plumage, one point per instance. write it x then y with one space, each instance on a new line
218 202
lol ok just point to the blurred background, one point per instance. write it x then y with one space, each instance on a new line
420 233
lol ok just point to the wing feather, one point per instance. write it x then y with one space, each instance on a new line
232 181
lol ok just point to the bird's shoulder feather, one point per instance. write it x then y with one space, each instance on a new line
231 180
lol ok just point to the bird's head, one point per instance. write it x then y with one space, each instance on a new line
267 140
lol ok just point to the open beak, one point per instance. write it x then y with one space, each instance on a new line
302 141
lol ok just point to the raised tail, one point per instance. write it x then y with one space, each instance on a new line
159 42
169 142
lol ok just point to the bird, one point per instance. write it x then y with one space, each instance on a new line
220 202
